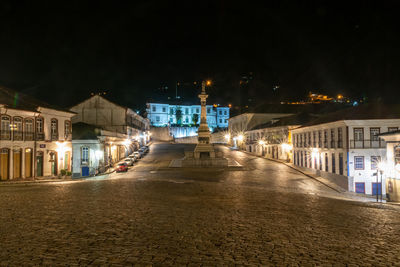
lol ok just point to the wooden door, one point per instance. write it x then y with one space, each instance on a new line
17 163
4 164
28 163
39 164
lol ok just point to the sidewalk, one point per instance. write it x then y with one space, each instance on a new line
47 179
322 180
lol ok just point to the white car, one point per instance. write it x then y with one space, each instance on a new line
128 161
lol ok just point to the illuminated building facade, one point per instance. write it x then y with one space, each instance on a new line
35 138
347 152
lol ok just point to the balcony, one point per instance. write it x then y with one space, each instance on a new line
54 136
333 144
29 136
367 144
39 136
18 136
5 135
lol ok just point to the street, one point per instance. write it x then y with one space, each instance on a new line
263 214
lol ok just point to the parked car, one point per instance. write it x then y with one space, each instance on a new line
133 157
129 161
121 167
138 154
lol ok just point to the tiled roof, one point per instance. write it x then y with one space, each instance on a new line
84 131
362 112
297 119
13 99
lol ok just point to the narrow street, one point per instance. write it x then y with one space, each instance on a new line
263 214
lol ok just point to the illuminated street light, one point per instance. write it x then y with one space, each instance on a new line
286 146
227 136
240 137
261 142
208 82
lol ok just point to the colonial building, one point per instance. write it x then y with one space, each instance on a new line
105 133
274 139
242 123
100 112
389 171
35 137
164 114
95 149
345 146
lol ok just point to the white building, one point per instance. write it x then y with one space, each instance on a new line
106 133
164 115
35 138
345 148
240 124
390 169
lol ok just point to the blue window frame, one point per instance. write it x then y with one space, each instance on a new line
359 163
360 188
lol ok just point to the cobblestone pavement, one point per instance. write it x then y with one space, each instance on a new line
266 214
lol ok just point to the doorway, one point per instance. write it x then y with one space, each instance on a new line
28 162
4 163
39 163
53 161
17 163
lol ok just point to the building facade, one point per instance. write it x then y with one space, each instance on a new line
105 133
112 117
390 170
164 115
35 139
271 142
346 151
95 150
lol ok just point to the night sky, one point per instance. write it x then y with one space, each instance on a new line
133 50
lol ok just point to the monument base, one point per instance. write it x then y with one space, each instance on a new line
204 159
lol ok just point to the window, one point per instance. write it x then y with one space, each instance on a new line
28 129
164 109
319 139
85 155
309 139
358 134
39 125
393 129
67 129
333 138
360 188
226 121
225 112
333 163
154 108
220 120
220 112
5 127
17 128
54 129
359 163
374 132
397 155
374 162
340 137
157 118
341 163
326 162
325 139
186 111
208 110
314 139
186 119
171 120
197 110
171 111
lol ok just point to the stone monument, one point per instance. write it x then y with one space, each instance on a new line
204 153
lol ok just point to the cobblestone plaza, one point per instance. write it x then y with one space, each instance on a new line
264 214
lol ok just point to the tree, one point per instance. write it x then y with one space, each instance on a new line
195 118
178 115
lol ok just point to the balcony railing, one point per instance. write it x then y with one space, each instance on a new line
39 136
340 144
29 136
367 144
54 136
5 135
333 144
18 135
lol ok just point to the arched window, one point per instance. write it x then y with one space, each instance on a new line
17 128
67 130
5 127
29 129
54 129
39 129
